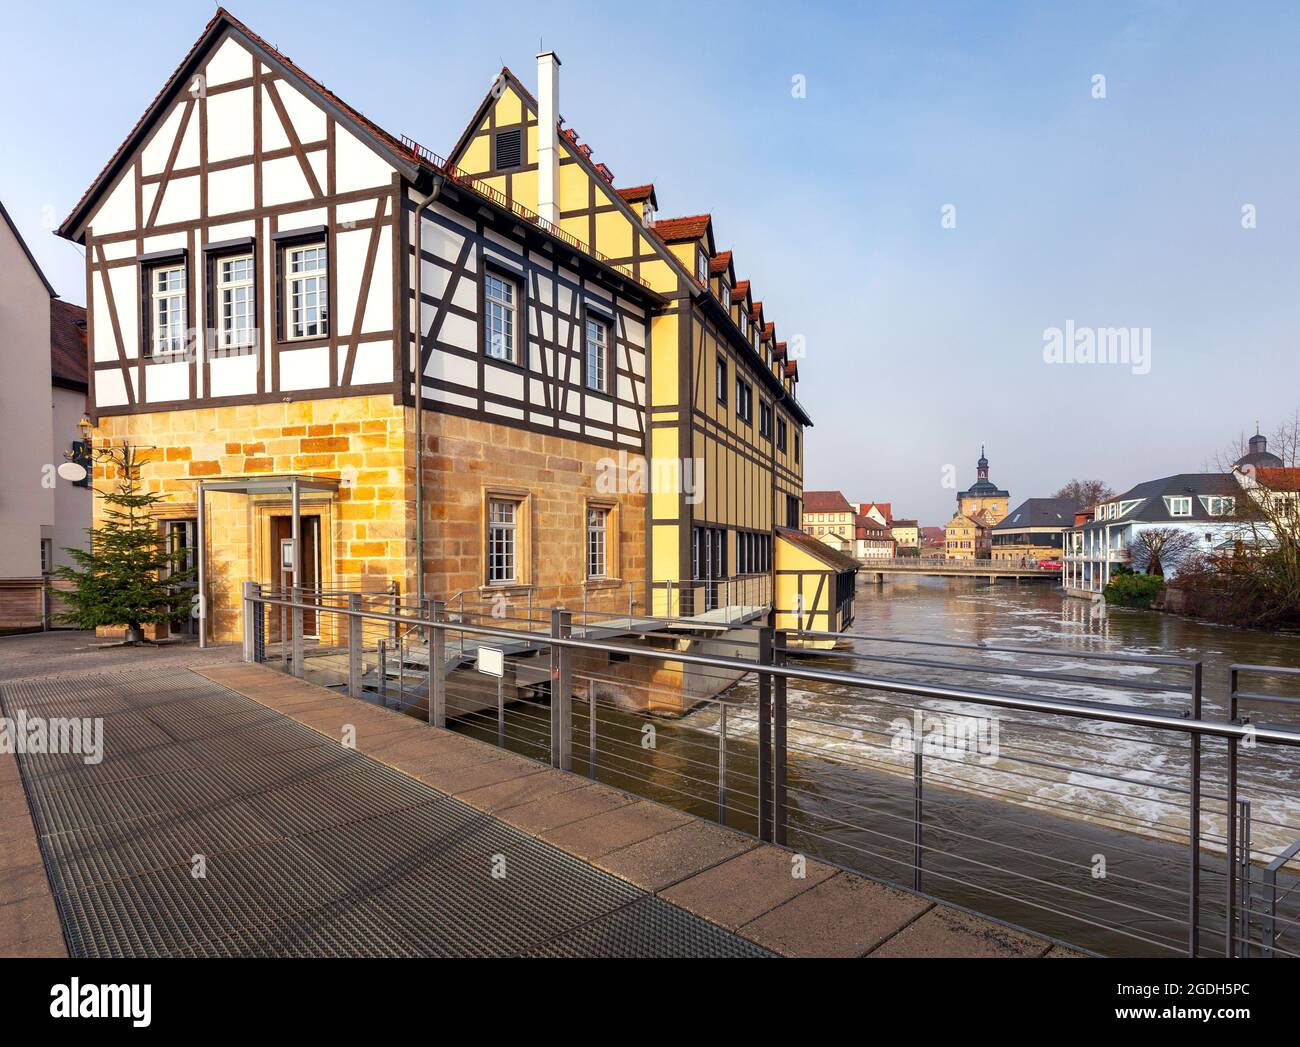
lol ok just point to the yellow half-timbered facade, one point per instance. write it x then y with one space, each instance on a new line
494 373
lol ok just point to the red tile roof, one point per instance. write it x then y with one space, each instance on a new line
635 194
68 353
676 230
884 507
769 329
792 369
778 351
866 527
1279 479
740 290
826 502
720 262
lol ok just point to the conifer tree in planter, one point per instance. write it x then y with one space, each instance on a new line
128 577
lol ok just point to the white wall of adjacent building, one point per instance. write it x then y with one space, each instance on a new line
26 421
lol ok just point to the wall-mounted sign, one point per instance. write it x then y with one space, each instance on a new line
492 661
286 554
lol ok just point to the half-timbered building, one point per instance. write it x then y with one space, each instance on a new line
602 404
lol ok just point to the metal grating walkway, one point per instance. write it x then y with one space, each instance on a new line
306 848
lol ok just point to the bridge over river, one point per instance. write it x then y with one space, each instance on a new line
937 568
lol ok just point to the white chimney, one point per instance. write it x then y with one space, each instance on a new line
548 136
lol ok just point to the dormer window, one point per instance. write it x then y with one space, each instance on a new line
726 297
648 214
1179 506
744 323
702 269
1219 506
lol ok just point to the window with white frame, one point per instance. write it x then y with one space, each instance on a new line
500 305
1221 506
726 297
702 268
744 400
597 542
502 539
765 419
235 309
1180 506
744 321
720 378
306 291
597 354
169 309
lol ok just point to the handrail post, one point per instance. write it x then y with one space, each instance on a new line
722 762
355 623
1230 832
764 736
437 689
1194 821
561 692
296 657
250 640
918 808
383 671
259 624
778 741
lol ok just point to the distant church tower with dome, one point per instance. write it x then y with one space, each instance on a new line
984 501
1258 456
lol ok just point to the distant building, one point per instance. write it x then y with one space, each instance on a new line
932 541
907 536
983 497
966 538
873 540
1032 531
1258 456
1201 504
881 512
831 518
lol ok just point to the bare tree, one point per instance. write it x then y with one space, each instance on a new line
1286 441
1156 548
1085 493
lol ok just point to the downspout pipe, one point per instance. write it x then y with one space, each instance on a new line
438 182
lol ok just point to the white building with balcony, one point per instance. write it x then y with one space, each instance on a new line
1202 504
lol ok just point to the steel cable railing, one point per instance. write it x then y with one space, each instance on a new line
642 704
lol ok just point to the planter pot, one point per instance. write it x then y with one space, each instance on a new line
134 634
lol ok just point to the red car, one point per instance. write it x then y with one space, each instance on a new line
1050 565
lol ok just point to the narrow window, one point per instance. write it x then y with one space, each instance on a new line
500 339
744 400
796 447
235 309
502 529
720 376
702 269
307 291
597 531
780 435
765 419
169 309
597 355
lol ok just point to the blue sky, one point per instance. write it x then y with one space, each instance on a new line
922 342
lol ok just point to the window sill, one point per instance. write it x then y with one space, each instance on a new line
602 583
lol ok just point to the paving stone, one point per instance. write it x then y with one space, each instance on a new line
746 887
537 816
655 863
33 918
949 932
49 946
611 830
457 778
23 881
842 916
517 791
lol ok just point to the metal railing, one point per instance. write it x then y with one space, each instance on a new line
922 563
1121 825
736 599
